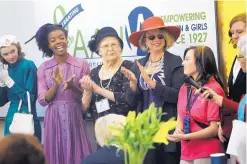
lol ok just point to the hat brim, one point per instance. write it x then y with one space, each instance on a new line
172 30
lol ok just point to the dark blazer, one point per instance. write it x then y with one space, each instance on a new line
174 78
105 155
237 89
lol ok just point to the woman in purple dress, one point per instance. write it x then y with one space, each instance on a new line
65 134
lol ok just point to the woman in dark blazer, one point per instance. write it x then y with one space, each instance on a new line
157 79
237 78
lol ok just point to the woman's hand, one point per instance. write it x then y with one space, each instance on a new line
177 137
69 83
5 79
57 76
145 76
220 133
86 83
178 130
131 76
216 98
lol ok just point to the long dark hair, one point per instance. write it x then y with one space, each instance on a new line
20 53
206 65
41 37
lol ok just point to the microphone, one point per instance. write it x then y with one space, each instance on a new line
190 81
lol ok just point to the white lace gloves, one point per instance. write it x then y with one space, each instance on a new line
2 84
5 79
242 45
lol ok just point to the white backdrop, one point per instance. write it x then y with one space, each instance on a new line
22 18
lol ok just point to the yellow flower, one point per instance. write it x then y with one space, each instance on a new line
131 117
165 127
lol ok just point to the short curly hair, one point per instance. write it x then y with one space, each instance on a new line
42 37
20 149
102 124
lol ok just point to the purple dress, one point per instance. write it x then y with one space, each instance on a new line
65 134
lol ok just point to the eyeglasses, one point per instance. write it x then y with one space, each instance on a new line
152 37
107 46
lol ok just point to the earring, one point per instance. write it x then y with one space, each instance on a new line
146 47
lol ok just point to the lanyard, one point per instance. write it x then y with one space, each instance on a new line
189 92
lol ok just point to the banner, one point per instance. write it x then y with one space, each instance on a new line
196 20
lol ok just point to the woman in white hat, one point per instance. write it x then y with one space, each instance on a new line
17 76
157 79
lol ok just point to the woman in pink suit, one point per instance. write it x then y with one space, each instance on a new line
65 134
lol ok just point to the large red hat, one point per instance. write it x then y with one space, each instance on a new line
150 24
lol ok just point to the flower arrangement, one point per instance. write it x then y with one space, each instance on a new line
139 133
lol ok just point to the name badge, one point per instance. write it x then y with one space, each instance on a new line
102 105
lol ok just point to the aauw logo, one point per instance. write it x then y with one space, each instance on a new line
134 22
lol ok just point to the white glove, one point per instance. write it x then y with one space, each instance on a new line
242 45
2 84
4 76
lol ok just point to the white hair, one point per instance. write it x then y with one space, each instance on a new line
102 131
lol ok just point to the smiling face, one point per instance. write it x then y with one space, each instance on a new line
189 64
110 49
58 42
237 30
155 40
10 53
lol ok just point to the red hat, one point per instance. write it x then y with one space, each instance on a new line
151 24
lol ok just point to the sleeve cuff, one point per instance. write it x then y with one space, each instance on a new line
2 84
131 97
9 82
42 100
158 89
117 96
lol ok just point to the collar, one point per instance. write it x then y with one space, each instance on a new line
166 58
14 65
70 60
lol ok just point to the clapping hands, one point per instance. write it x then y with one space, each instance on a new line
57 76
87 83
69 83
133 80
